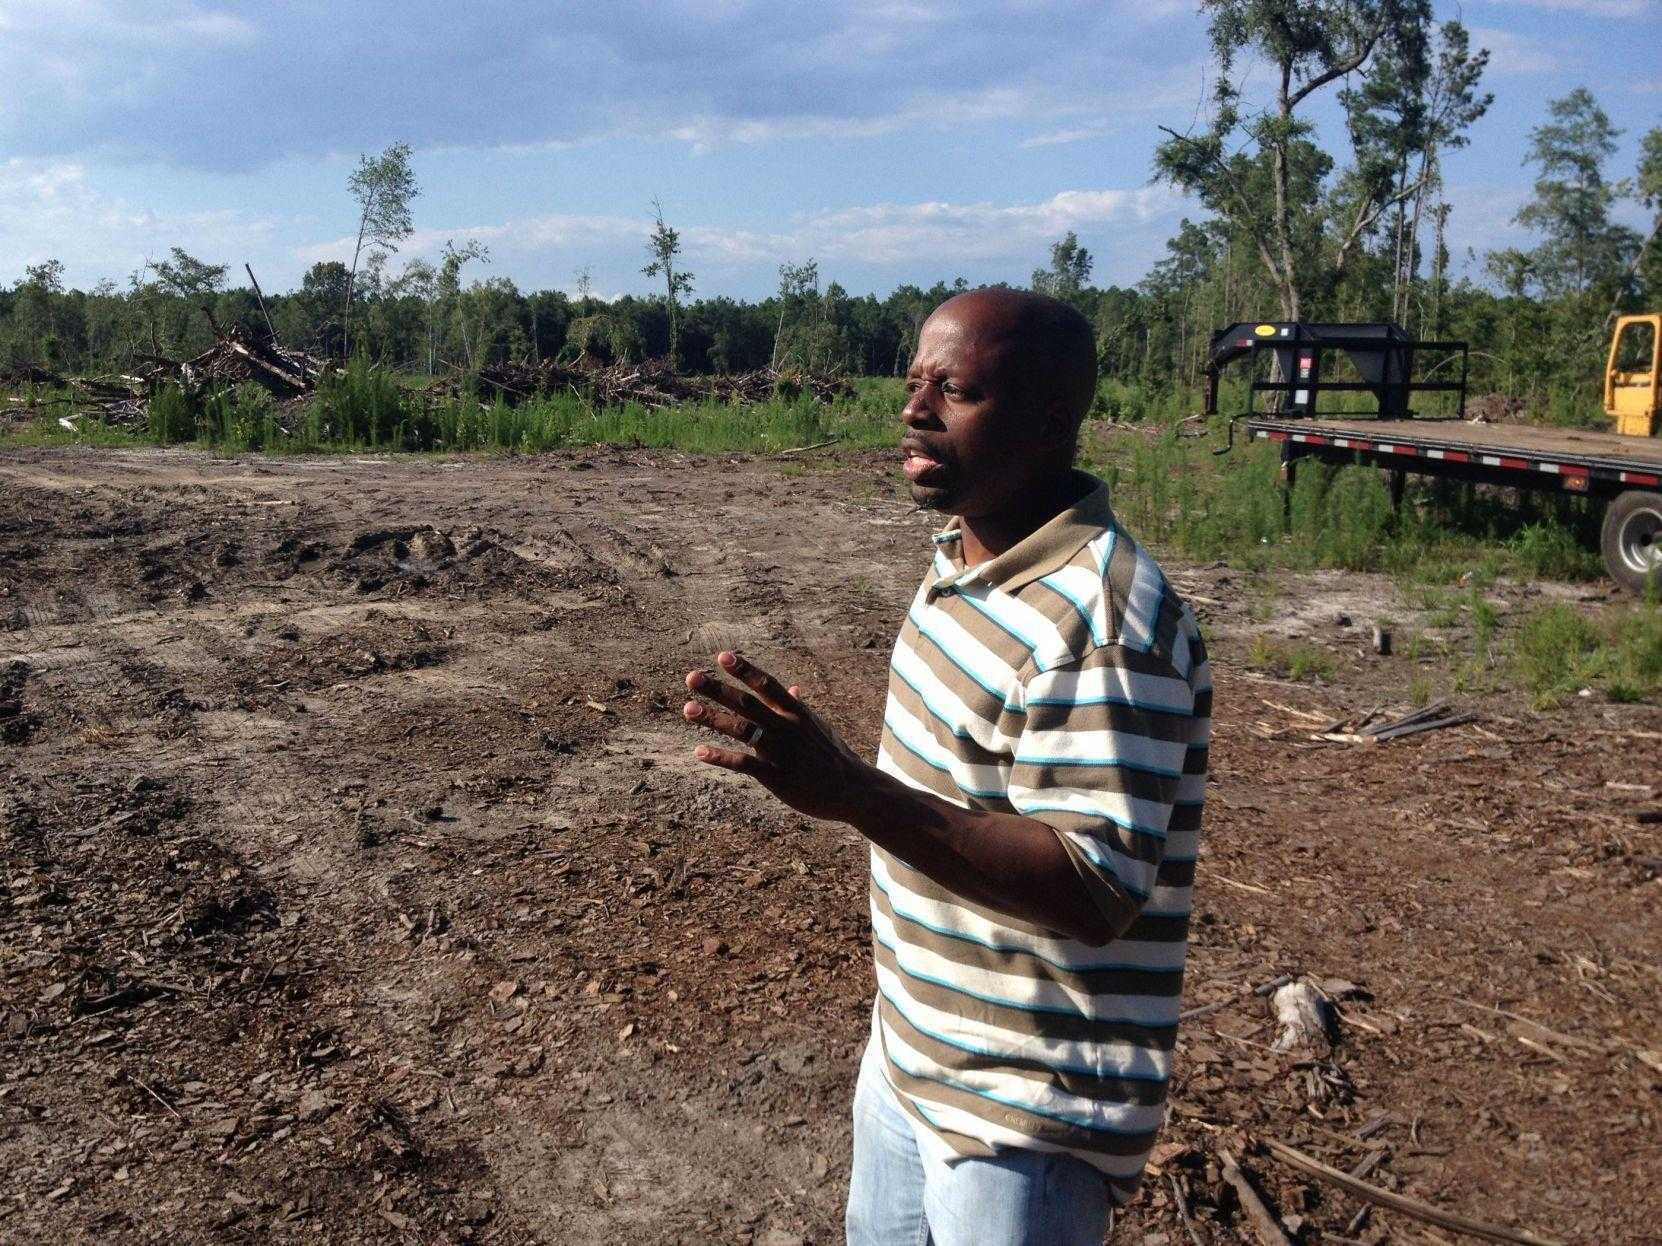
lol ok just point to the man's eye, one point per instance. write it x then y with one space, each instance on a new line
952 390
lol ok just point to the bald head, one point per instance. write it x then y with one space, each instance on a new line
1048 345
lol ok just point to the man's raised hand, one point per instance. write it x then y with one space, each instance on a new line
797 756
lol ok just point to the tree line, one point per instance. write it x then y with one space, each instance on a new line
1358 230
1291 228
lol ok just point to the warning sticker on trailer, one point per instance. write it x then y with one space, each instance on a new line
1265 330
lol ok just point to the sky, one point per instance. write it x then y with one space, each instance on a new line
891 140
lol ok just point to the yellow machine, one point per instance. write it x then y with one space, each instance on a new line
1632 376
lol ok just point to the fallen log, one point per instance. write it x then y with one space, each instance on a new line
1269 1228
1400 1202
28 374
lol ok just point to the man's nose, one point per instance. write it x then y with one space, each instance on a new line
919 408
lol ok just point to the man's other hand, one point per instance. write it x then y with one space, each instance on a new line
797 755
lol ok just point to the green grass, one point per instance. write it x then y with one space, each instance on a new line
1479 672
366 409
1175 494
1262 593
1551 653
1558 651
1443 608
44 430
1289 659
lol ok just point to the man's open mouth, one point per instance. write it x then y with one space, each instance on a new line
920 466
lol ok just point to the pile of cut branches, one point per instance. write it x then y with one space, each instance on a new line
28 374
122 400
238 356
651 383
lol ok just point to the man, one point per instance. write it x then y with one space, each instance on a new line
1033 814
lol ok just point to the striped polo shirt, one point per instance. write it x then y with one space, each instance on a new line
1065 681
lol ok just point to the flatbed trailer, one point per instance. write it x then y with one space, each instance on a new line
1625 472
1311 360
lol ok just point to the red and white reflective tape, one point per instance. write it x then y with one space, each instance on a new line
1509 462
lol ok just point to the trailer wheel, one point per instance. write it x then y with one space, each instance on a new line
1632 540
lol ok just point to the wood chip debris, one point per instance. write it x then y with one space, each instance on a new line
1396 1202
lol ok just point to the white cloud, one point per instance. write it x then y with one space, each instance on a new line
1593 8
552 232
128 80
885 234
1511 53
1056 138
919 237
706 132
54 209
1482 221
161 23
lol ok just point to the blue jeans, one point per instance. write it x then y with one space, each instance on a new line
909 1188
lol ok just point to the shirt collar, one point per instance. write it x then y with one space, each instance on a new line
1043 551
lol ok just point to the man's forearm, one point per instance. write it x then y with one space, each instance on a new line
1001 861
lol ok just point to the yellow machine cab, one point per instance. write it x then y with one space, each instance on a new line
1631 376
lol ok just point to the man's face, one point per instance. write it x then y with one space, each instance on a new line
977 435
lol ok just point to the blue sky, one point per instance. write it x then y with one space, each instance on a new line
893 140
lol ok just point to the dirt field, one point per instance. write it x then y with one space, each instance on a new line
358 884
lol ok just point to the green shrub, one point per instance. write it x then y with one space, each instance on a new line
1633 665
1552 655
1559 650
243 417
1552 552
172 416
1175 494
363 405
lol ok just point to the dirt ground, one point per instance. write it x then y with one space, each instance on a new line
356 883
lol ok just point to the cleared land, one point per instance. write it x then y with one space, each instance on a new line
358 884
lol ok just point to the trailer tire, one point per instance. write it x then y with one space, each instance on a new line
1631 541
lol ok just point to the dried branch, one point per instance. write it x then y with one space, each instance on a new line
1400 1202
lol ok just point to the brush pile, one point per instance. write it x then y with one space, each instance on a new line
119 401
237 357
28 374
651 383
122 400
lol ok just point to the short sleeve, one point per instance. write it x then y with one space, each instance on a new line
1100 760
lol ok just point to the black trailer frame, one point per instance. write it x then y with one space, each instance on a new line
1624 476
1444 448
1383 354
